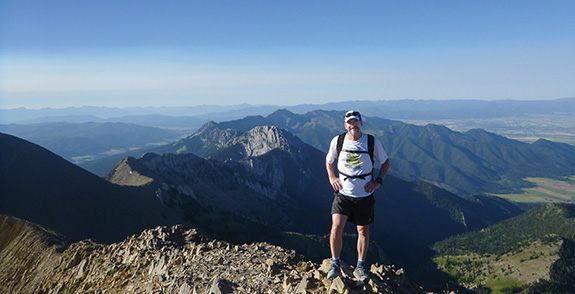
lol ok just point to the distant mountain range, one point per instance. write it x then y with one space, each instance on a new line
392 109
475 162
81 142
464 163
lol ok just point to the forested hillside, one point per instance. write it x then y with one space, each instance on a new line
534 252
538 223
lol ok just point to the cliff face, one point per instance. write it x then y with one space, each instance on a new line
262 139
276 163
169 260
265 174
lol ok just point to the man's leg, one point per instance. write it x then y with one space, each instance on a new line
362 246
362 241
338 222
336 243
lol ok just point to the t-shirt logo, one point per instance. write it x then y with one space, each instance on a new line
352 160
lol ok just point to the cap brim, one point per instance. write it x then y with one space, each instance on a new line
351 117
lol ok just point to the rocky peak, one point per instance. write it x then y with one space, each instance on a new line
263 139
128 172
275 162
211 133
176 260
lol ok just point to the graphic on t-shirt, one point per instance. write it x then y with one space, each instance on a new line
352 160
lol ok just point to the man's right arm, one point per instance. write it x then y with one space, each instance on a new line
333 179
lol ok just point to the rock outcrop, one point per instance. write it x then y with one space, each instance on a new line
265 174
174 260
27 253
262 139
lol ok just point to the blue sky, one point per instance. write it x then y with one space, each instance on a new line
184 53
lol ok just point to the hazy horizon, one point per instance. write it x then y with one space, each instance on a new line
281 105
187 53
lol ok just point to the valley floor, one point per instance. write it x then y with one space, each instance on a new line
545 191
555 127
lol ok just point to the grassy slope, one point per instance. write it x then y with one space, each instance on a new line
512 269
511 254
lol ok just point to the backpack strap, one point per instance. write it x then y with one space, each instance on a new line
370 150
355 177
339 146
370 146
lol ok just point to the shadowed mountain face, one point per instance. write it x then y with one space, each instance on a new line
44 188
266 174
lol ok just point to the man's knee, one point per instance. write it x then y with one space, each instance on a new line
337 229
363 231
337 225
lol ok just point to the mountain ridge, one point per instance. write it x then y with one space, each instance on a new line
405 109
42 187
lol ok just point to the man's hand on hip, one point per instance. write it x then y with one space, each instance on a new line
371 186
336 184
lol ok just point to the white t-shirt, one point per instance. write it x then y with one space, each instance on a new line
355 164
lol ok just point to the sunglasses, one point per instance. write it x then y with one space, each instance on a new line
355 113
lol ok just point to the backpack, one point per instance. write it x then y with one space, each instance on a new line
370 148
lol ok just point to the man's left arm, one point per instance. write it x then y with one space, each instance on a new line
372 185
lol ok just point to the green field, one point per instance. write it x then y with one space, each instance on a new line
502 273
545 191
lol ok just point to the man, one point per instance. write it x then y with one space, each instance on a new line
354 200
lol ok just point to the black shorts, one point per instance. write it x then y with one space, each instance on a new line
360 211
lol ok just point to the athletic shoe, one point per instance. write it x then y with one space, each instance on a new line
334 271
360 274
